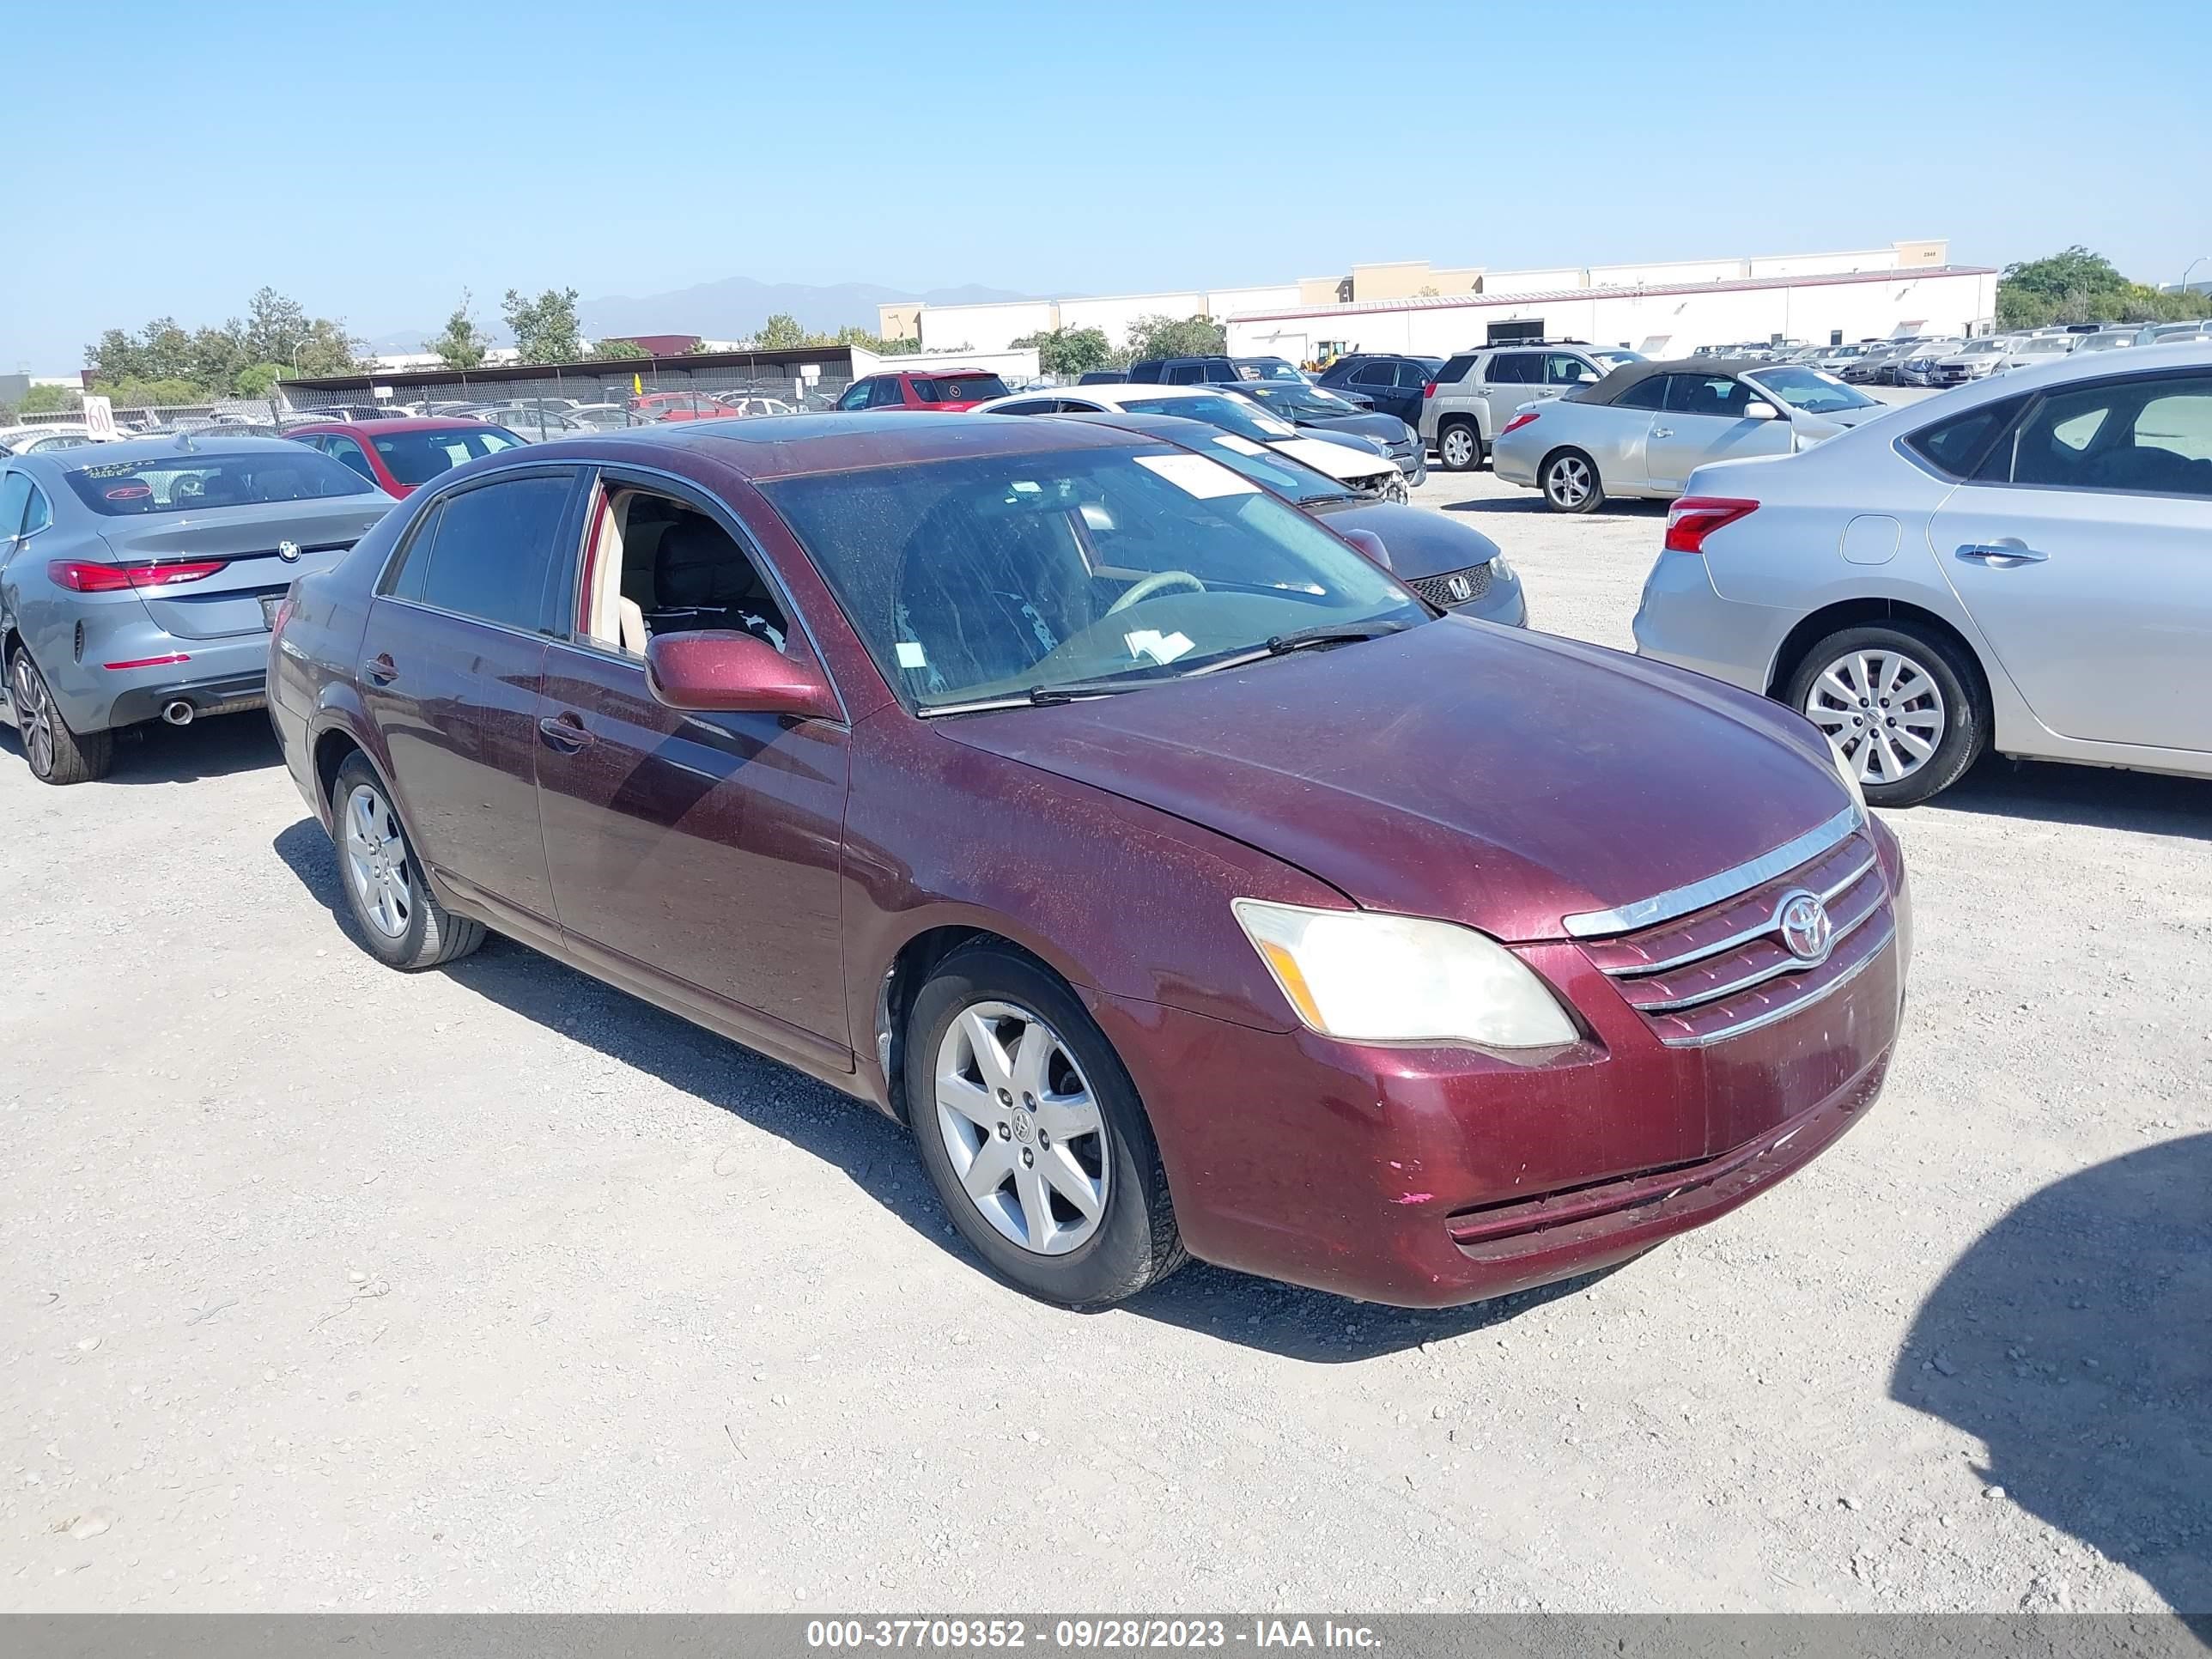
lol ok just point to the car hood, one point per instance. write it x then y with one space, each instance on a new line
1346 463
1457 769
1389 427
1420 541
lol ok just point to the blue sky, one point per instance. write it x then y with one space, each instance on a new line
372 160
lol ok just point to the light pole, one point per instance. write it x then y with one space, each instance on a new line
2202 259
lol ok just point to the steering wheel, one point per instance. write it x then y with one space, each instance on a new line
187 486
1156 582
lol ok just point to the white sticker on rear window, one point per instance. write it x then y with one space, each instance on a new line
1196 476
1230 441
911 655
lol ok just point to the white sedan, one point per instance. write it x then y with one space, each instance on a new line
1238 416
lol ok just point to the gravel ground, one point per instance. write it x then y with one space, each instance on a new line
492 1288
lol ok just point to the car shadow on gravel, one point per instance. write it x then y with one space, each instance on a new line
2074 1339
2097 797
219 748
1534 503
1257 1313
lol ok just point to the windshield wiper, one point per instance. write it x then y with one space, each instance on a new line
1304 639
1040 695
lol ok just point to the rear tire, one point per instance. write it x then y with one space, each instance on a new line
56 753
399 917
1919 686
1570 482
1001 1057
1459 445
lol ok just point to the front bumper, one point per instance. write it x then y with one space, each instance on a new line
1431 1177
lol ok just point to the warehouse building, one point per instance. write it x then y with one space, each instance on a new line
1668 307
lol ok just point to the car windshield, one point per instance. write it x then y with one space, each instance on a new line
1296 400
415 458
995 576
958 388
1270 368
1231 413
188 482
1982 348
1810 391
2046 348
1608 361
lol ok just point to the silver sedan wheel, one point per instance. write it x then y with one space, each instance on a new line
1457 447
1570 481
34 714
376 862
1883 712
1024 1131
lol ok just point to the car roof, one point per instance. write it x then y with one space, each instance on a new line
1144 389
1629 376
403 423
765 447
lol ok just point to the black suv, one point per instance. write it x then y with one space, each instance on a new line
1393 382
1183 370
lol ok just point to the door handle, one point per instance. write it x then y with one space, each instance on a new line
380 670
566 732
1662 431
2001 555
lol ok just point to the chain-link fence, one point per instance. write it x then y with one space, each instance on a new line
571 400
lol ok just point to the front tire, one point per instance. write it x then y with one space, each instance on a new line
56 753
1458 447
1033 1134
1570 483
1900 702
386 891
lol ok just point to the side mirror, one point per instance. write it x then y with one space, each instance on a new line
1370 543
1757 410
718 672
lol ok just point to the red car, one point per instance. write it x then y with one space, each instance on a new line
1183 880
942 389
679 406
400 456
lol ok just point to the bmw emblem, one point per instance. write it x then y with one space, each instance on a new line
1807 930
289 551
1460 588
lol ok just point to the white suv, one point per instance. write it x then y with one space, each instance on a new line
1476 392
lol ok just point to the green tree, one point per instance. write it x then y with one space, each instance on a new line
462 343
780 333
1176 337
1070 351
150 394
275 328
258 379
546 329
611 349
47 400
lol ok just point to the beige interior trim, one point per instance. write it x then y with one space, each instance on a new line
613 621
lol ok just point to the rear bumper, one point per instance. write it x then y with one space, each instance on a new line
1683 620
1514 463
220 675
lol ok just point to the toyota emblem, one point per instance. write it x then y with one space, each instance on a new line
1807 930
289 551
1460 588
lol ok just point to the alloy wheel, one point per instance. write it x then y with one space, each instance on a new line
376 862
1022 1128
34 714
1570 480
1883 712
1458 447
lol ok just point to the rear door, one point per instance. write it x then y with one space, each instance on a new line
1705 421
2083 551
450 662
1509 379
1378 382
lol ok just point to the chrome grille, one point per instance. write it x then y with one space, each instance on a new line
1438 590
1716 971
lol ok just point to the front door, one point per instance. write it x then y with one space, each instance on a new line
701 852
450 665
2083 552
1705 421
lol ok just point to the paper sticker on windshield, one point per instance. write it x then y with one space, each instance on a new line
1230 441
1160 647
911 655
1196 476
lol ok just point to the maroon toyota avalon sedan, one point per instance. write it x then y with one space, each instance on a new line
1182 880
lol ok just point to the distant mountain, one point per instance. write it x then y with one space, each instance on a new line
735 308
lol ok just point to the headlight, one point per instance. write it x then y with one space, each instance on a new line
1371 978
1501 571
1850 773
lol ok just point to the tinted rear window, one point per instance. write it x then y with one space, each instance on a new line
958 388
1954 447
189 482
1455 371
